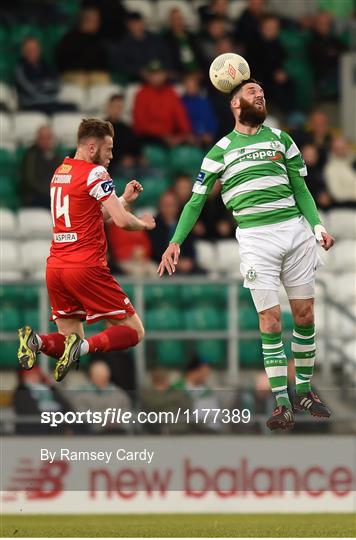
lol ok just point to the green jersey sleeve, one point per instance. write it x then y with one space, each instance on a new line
297 171
211 169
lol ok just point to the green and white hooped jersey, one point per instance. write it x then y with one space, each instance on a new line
254 173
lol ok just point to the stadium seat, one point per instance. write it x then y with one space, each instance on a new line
235 8
250 353
171 353
26 125
8 223
8 355
8 96
9 250
152 190
33 256
228 257
164 317
157 156
146 8
154 294
65 126
99 95
186 159
248 318
71 93
8 165
205 318
342 223
7 130
206 255
164 7
209 292
213 351
343 256
10 319
35 223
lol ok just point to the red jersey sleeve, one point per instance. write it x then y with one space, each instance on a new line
99 184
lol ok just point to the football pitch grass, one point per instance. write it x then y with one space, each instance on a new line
186 525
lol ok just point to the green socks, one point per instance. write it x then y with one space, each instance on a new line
275 362
303 348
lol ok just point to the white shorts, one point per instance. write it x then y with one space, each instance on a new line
282 252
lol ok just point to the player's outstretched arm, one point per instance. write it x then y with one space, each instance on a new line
307 206
125 220
187 220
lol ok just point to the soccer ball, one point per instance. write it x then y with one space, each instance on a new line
227 71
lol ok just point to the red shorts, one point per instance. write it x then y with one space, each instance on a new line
90 294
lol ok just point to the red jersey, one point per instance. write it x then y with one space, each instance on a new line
77 190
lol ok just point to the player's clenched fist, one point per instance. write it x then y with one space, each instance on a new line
169 259
132 191
149 221
323 237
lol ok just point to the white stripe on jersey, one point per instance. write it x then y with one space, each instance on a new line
256 184
274 205
266 145
211 165
231 171
292 151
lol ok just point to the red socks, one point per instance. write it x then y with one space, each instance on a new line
114 338
53 345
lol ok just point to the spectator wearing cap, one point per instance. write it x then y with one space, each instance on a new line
81 56
159 114
35 393
127 149
138 48
195 384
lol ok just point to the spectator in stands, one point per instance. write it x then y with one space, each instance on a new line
248 25
182 188
127 150
215 221
38 164
36 80
81 55
324 51
130 251
315 179
200 111
215 7
160 396
340 173
317 132
36 393
138 48
182 45
159 114
113 17
100 394
166 221
201 395
216 28
266 54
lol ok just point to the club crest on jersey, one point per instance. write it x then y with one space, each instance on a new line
64 168
251 274
200 177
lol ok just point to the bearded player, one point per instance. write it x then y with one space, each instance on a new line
79 283
262 174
